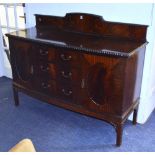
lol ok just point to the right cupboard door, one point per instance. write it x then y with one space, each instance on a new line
102 83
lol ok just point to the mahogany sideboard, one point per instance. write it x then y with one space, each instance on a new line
82 63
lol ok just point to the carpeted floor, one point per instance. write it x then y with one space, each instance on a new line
55 129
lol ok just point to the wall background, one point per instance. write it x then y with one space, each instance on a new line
126 13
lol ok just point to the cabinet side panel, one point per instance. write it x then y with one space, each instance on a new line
133 79
139 73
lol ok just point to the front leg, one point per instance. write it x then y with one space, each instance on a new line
135 116
16 97
119 132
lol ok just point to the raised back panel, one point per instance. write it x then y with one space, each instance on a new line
93 24
46 21
81 22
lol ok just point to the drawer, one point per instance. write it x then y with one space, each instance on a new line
46 53
68 58
45 70
68 74
47 87
65 91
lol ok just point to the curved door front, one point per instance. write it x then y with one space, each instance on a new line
22 62
102 84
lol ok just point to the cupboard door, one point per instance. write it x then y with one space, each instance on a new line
102 84
22 59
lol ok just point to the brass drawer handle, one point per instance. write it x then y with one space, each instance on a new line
67 76
67 93
43 68
45 85
43 52
65 58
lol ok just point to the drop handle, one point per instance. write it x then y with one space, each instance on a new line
66 75
65 58
67 93
45 85
43 68
43 52
82 83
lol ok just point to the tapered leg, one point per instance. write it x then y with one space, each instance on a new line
16 98
135 116
119 132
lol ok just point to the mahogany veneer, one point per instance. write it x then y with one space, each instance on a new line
82 63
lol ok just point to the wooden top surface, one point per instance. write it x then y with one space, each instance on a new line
90 43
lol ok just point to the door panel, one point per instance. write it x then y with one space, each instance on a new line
102 90
22 60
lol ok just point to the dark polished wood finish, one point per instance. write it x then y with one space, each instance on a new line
82 63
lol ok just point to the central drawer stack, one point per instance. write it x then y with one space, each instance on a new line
57 73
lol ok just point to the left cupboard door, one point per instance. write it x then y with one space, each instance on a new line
22 61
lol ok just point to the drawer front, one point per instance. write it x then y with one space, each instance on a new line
47 87
67 58
66 91
68 74
45 53
45 70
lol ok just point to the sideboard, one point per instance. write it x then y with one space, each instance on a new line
82 63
